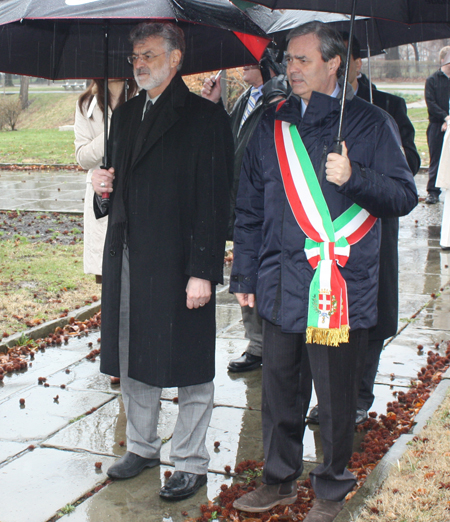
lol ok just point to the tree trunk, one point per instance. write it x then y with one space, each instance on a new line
393 69
8 80
23 96
416 55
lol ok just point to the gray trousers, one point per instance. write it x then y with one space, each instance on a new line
142 405
253 330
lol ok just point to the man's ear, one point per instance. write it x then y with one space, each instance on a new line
358 65
333 64
175 58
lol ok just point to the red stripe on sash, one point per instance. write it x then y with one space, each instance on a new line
289 187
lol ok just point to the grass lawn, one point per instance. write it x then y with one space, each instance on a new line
419 118
49 146
38 138
44 281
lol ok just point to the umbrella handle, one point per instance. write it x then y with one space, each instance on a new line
337 146
104 205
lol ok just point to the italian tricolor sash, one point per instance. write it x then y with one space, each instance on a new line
328 242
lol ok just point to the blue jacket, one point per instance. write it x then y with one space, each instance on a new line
269 257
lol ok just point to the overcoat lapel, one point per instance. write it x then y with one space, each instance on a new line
162 117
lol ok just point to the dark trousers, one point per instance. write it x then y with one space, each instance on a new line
435 138
289 367
366 396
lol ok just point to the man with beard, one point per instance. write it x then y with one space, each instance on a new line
172 164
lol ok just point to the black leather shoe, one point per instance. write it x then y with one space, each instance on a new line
182 485
245 363
431 199
313 415
130 465
361 416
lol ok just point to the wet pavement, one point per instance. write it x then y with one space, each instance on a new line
49 447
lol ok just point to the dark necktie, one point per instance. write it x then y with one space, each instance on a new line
148 106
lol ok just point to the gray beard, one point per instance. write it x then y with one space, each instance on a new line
156 79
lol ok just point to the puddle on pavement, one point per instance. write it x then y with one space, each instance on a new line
103 430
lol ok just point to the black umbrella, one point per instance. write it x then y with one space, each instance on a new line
60 39
377 33
406 11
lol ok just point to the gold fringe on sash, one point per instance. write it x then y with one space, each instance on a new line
327 336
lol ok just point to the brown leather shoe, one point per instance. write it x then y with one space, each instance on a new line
324 510
267 496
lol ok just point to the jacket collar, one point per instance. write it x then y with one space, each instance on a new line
319 107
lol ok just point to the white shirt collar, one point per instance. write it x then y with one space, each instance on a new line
334 94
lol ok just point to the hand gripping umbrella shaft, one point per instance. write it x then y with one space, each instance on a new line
337 147
105 195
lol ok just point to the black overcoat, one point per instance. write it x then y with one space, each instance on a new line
178 167
388 283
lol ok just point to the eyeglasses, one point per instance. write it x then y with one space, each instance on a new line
145 57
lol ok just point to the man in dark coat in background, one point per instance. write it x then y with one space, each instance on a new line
172 164
437 95
268 85
298 205
388 281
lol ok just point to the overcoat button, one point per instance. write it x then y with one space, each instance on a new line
112 253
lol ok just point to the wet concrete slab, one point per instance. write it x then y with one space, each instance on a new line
42 415
10 449
138 500
226 315
84 375
47 362
42 494
104 430
55 191
237 430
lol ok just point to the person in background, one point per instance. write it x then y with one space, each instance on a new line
437 96
388 281
443 182
172 157
89 150
268 85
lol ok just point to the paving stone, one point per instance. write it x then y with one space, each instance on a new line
9 449
42 494
42 415
138 500
102 431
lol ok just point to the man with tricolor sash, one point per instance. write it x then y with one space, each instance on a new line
307 244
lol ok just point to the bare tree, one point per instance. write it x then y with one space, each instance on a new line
393 69
24 86
8 80
10 109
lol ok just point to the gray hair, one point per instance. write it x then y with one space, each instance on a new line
330 41
172 34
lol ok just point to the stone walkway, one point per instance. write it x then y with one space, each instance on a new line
36 483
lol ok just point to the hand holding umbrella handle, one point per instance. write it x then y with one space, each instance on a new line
337 146
104 205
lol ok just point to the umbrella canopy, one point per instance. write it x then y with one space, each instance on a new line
60 39
380 34
406 11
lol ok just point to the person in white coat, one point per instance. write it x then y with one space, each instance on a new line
443 181
89 147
